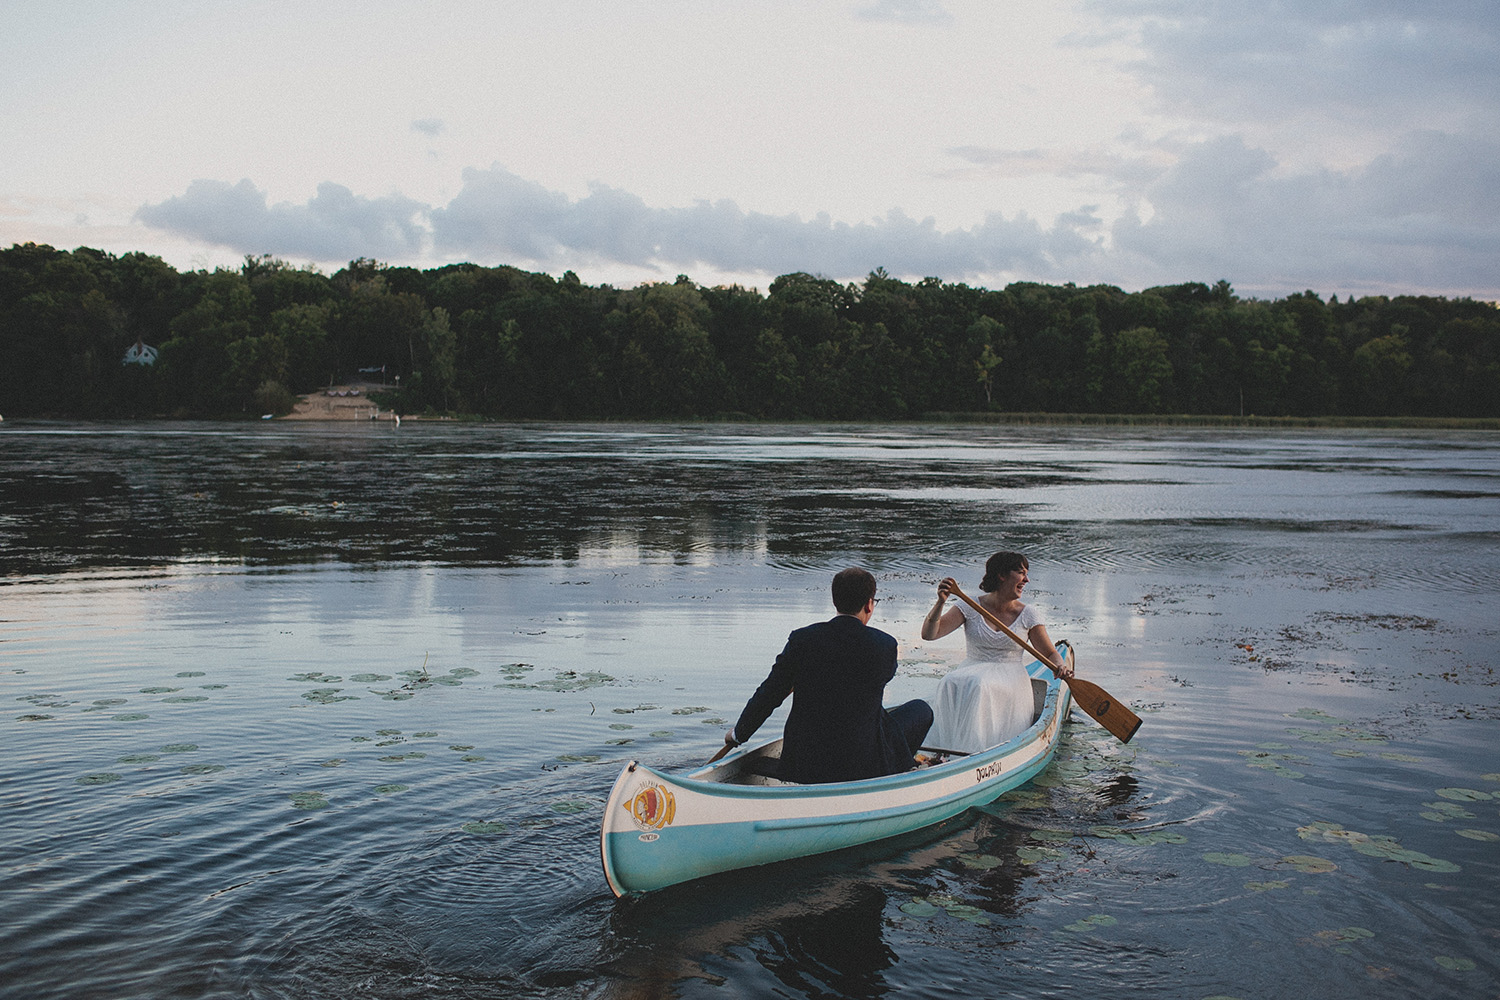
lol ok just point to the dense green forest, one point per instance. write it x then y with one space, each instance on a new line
505 343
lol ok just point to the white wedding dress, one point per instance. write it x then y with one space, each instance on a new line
986 699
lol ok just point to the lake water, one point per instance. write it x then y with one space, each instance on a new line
302 710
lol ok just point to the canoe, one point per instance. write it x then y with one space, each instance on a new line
660 829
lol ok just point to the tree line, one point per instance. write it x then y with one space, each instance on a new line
505 343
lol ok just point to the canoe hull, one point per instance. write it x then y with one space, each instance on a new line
661 829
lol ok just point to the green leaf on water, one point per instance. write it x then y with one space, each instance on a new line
369 678
130 717
1051 836
179 748
390 789
1455 964
483 827
1308 864
577 758
919 908
1029 855
570 806
1492 776
1227 860
1482 835
1267 886
138 758
333 762
1465 794
309 801
979 862
105 778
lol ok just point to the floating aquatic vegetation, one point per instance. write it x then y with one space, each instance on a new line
138 758
1375 846
1312 713
1141 837
104 778
424 736
638 708
462 672
661 732
1465 794
1029 855
1455 964
620 725
387 732
1484 836
472 758
920 908
397 758
691 710
31 717
1308 864
1441 812
715 721
1406 757
461 747
184 699
1492 776
979 862
390 789
1227 860
369 678
130 717
570 807
179 748
484 827
626 741
565 681
1051 836
327 696
102 702
212 687
1342 752
577 758
159 690
1091 922
201 768
334 762
310 801
360 739
316 677
1267 886
190 673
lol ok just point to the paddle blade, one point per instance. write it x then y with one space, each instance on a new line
1103 709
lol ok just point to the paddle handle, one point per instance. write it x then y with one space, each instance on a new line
997 623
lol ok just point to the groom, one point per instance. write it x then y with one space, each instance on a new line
836 729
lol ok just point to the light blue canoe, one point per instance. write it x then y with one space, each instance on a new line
660 829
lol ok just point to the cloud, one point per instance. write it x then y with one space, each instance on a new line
335 224
905 12
1378 61
431 127
1426 216
1423 217
499 216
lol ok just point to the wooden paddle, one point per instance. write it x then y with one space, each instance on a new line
1090 697
722 751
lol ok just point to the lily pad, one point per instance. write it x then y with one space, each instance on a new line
1227 860
1267 886
138 758
390 789
1455 964
179 748
979 862
1033 855
919 908
309 801
570 806
484 827
1308 864
1482 835
105 778
1465 794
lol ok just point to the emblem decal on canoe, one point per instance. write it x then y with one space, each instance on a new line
653 807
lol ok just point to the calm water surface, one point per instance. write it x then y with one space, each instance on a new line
324 711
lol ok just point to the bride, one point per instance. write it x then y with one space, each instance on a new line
986 700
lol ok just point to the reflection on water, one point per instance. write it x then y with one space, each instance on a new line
309 712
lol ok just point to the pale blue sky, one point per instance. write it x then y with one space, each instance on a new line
1338 146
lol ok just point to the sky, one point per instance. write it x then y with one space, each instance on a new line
1341 146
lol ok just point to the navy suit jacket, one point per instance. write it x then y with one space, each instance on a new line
837 729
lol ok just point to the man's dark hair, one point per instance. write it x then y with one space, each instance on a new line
852 589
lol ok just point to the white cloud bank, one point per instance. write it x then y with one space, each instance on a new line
1424 217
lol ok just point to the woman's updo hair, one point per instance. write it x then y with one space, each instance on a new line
1001 564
